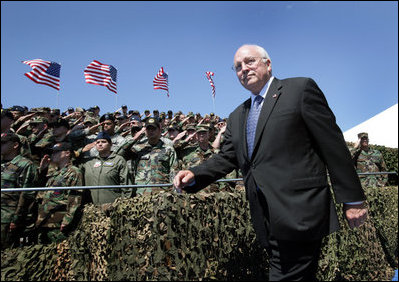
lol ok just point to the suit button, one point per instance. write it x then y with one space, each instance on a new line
253 166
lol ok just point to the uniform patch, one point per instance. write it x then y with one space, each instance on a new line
97 164
108 164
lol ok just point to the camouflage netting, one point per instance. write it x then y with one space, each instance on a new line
168 236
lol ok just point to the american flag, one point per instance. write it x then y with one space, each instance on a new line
44 72
100 74
161 81
208 75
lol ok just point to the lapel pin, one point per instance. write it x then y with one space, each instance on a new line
274 95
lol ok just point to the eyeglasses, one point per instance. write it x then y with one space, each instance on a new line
249 62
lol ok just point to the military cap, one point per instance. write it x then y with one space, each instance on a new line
124 106
170 112
155 111
61 122
90 119
363 135
55 111
41 110
173 127
71 109
135 112
152 122
38 120
191 126
79 109
135 118
7 113
9 136
121 117
90 114
33 110
62 146
104 135
17 109
96 107
202 127
211 114
162 114
107 116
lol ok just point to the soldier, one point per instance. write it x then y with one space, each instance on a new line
191 156
170 114
39 126
54 115
366 159
155 114
59 210
106 169
173 131
108 122
124 110
59 133
16 172
7 120
153 160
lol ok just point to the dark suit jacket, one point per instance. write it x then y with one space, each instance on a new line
297 140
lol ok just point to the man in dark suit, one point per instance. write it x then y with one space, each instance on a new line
285 139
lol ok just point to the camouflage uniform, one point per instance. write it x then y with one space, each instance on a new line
17 173
153 164
107 171
370 161
193 155
25 147
59 206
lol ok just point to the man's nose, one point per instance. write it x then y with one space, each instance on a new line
244 67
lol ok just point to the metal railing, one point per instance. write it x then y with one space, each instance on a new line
136 185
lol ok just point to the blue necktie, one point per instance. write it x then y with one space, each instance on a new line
252 122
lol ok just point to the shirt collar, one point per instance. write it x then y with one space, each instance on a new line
264 90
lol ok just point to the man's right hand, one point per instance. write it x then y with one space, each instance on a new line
183 178
45 162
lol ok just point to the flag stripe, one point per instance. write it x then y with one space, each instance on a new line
39 78
100 74
39 82
44 72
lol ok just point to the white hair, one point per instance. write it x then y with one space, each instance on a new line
262 52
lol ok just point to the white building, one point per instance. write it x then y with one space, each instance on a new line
382 129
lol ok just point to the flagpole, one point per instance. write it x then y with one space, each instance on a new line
213 99
116 101
58 101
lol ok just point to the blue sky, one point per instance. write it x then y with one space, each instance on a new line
349 48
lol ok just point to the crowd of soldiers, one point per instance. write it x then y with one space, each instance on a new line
43 147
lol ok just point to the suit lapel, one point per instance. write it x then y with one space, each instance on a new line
243 125
272 96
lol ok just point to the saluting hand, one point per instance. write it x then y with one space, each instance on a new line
45 162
